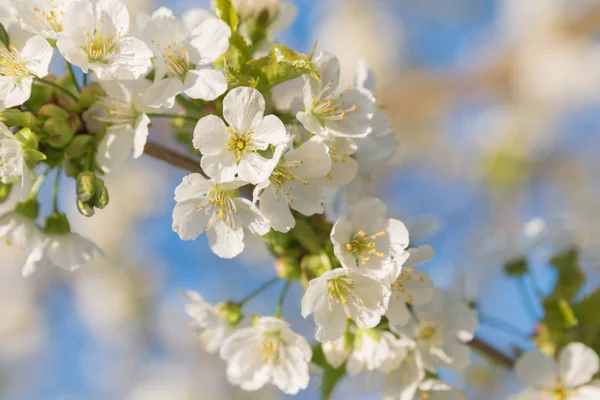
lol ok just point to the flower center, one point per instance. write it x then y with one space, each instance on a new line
240 144
362 246
282 175
175 57
100 46
219 206
11 63
329 107
118 111
559 392
50 20
398 288
339 291
269 348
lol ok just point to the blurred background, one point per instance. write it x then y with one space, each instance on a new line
495 109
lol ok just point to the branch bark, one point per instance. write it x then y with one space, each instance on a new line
172 157
491 352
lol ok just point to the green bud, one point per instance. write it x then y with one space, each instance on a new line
288 268
90 94
28 208
57 223
58 131
314 265
78 146
5 189
73 167
15 117
27 138
53 111
75 123
101 199
40 95
230 312
86 186
85 209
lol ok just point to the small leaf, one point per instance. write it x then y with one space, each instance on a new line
282 65
301 62
4 36
236 78
224 10
243 51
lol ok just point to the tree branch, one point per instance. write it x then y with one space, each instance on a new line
174 158
490 352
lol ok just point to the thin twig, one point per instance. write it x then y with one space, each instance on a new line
174 158
489 351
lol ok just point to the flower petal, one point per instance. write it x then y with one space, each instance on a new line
577 364
243 109
536 369
206 84
210 135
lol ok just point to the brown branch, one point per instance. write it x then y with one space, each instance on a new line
492 353
174 158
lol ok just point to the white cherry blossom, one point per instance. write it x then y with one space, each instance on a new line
294 183
203 205
376 350
212 329
568 378
436 389
325 112
411 287
12 161
68 251
183 60
368 241
343 166
19 230
19 65
439 329
268 352
43 17
233 150
343 294
98 40
337 352
124 110
401 383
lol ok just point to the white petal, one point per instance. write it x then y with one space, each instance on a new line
277 211
577 364
38 54
254 168
224 241
206 84
131 61
313 158
536 369
115 16
419 255
193 186
210 135
188 223
251 217
115 146
210 39
140 136
162 92
328 67
220 167
310 123
243 109
193 17
271 131
368 215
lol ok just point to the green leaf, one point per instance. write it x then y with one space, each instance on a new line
241 49
282 65
224 10
236 78
301 62
570 275
4 36
331 376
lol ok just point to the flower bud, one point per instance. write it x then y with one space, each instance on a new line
40 95
57 224
101 199
85 209
14 117
90 94
58 131
86 186
288 268
230 312
53 111
78 146
313 266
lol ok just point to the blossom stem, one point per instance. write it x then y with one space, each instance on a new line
284 292
38 184
55 191
166 115
492 353
258 290
527 300
72 75
85 80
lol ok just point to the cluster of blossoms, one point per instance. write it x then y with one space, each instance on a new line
263 171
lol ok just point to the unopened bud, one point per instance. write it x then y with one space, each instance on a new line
75 123
288 268
78 146
58 131
230 312
53 111
313 266
90 94
101 199
40 95
85 209
86 186
14 117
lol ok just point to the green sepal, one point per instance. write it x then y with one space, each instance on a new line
33 156
29 208
57 224
27 138
53 111
224 10
78 146
15 117
90 94
4 38
230 312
